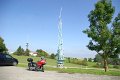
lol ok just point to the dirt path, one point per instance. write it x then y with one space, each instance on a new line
18 73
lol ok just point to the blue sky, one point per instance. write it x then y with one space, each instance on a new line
36 22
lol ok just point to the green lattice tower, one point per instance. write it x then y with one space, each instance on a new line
60 55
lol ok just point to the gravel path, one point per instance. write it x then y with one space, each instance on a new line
18 73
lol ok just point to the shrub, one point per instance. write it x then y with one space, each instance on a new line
116 66
52 56
98 65
84 63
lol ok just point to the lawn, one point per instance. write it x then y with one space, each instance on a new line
50 62
90 71
69 67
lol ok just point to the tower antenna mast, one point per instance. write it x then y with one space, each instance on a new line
60 55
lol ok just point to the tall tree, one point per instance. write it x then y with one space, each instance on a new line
2 46
99 31
115 40
116 35
52 56
98 58
27 52
19 51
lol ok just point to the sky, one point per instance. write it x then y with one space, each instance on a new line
36 22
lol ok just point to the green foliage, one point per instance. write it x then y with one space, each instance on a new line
84 63
26 53
77 61
99 61
116 35
69 60
2 46
85 59
52 56
90 71
51 62
90 59
114 61
99 65
99 32
42 53
19 51
98 58
74 60
116 66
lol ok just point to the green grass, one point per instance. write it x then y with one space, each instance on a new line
51 62
91 64
23 60
90 71
84 71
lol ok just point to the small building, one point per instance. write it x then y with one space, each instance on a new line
33 53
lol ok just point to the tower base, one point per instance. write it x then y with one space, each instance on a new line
60 65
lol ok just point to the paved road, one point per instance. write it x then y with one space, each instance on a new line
18 73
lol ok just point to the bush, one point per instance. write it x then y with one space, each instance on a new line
90 59
77 61
52 56
110 66
84 63
116 66
98 65
69 60
42 53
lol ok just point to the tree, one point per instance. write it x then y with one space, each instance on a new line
52 56
19 51
69 60
90 59
85 59
42 53
99 61
27 52
98 58
2 46
99 31
115 41
84 62
114 61
116 36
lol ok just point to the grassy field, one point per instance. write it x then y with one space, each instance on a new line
85 71
69 67
50 62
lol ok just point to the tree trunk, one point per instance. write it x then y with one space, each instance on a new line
105 65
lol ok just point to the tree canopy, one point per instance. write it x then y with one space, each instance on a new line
19 51
2 46
116 35
26 53
42 53
104 40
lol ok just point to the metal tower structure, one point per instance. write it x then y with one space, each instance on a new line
27 44
60 55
